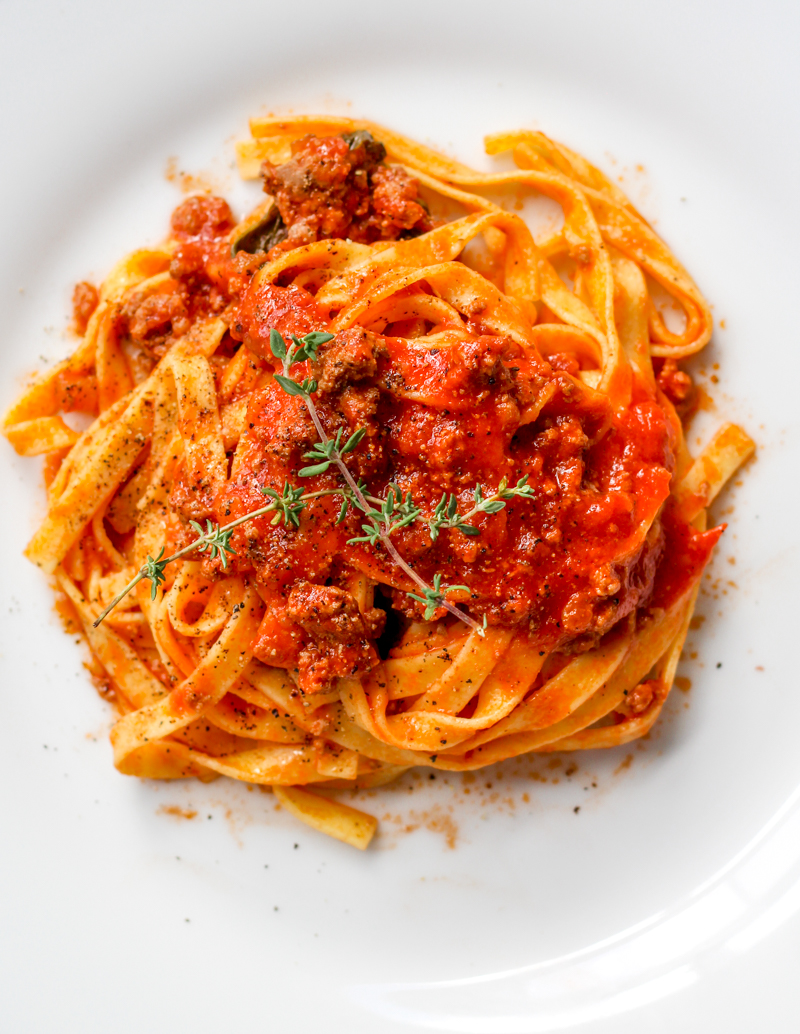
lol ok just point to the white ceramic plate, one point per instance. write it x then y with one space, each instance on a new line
643 894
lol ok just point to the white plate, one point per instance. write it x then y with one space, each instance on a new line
669 899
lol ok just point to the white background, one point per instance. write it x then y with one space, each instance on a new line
669 899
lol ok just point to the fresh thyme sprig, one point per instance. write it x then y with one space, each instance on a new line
288 505
380 523
349 499
326 451
446 514
395 512
433 595
297 352
152 569
216 540
383 516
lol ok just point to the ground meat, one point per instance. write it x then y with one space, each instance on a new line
484 361
565 361
152 320
202 215
359 406
189 497
638 699
279 639
395 205
341 635
676 384
616 591
336 186
286 432
84 302
330 612
448 443
198 225
349 358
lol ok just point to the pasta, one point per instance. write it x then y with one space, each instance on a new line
497 546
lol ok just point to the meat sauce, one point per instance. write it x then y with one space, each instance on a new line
565 565
337 186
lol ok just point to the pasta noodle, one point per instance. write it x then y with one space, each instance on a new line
462 358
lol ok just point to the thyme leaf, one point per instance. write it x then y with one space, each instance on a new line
434 597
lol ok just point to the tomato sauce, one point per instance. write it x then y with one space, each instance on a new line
589 548
570 562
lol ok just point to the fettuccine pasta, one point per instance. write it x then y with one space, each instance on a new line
462 356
